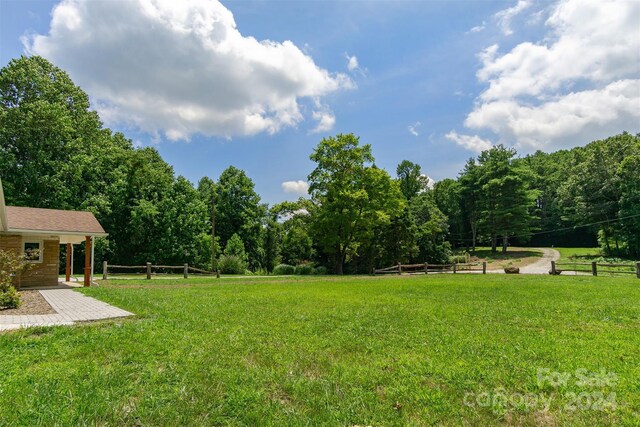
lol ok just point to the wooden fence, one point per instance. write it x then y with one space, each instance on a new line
426 268
595 268
153 270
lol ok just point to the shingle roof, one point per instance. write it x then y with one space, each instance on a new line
37 219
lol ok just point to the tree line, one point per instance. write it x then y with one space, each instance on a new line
56 153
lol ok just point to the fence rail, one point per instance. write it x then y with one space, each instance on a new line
596 268
152 270
426 268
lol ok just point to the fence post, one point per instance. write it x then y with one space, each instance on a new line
399 269
638 270
148 271
553 268
454 268
594 268
484 267
426 268
186 271
104 270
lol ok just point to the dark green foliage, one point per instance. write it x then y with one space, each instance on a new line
320 270
411 180
304 269
238 211
284 269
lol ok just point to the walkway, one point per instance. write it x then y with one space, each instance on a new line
70 307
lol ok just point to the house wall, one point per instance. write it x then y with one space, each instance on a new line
44 273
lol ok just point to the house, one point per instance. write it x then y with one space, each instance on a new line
38 233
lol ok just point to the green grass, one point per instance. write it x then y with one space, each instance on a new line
588 255
579 254
331 351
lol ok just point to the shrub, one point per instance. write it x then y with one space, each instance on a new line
284 269
304 269
231 264
11 265
321 270
460 258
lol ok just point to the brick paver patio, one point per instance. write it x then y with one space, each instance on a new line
70 307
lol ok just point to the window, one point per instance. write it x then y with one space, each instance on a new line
33 251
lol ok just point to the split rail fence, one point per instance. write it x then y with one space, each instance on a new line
426 268
152 270
595 268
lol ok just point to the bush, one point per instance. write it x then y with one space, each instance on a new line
10 298
231 264
11 265
321 270
284 269
304 269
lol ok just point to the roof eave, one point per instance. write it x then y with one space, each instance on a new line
60 232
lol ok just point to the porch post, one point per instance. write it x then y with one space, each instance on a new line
87 261
68 266
93 252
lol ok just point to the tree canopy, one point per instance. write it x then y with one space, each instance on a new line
56 153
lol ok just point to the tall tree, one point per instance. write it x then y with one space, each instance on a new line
351 196
412 181
506 199
471 194
239 211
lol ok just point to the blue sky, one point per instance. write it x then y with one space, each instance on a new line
434 82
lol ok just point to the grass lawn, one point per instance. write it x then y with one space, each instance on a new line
421 350
514 257
579 254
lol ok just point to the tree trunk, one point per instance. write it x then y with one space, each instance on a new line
505 243
474 233
494 243
338 266
606 240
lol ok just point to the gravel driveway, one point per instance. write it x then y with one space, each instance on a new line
543 265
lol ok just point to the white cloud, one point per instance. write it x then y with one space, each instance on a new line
181 68
325 118
352 62
608 110
413 129
580 82
470 142
353 65
477 28
504 17
296 187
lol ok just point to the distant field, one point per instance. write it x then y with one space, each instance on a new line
381 351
